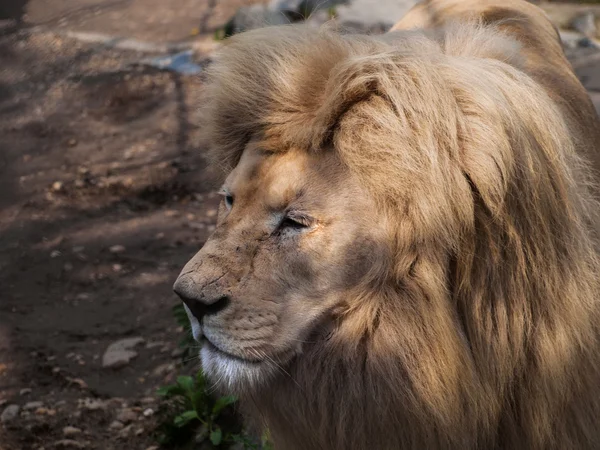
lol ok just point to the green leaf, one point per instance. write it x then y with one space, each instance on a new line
185 418
200 381
216 436
221 403
186 383
200 401
170 391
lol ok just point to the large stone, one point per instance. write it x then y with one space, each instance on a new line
301 9
367 15
585 24
119 353
255 16
9 414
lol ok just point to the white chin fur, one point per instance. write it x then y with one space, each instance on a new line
196 327
232 374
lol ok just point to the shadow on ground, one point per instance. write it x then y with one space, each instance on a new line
104 197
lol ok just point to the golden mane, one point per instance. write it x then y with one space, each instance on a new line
482 329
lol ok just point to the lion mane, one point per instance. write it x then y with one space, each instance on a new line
471 132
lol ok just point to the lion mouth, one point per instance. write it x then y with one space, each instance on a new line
206 343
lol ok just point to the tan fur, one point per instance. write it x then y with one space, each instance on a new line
446 296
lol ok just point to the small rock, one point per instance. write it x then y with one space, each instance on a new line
117 267
42 411
91 404
10 413
153 447
69 443
57 186
25 391
148 412
72 142
116 249
3 368
78 249
151 345
119 353
55 254
177 353
139 431
197 225
32 405
585 24
163 369
172 213
116 425
78 381
211 213
126 416
71 431
124 433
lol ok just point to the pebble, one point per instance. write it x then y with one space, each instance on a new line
25 391
126 416
78 381
69 443
148 412
55 254
116 425
91 404
153 447
116 249
10 413
117 267
163 369
71 431
57 186
119 353
124 433
177 353
32 405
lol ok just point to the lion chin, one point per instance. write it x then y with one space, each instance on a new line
406 252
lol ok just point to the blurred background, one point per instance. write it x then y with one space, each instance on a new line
104 196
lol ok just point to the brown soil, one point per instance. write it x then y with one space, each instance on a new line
94 153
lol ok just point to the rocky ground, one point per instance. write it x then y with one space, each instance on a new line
103 198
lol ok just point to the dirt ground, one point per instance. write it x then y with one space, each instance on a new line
94 153
103 197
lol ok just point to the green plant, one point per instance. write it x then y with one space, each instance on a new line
193 417
209 418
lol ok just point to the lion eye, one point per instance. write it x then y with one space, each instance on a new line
228 201
295 223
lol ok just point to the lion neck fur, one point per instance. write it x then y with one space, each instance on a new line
479 330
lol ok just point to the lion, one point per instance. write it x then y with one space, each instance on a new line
406 253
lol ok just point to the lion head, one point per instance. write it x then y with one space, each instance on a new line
403 256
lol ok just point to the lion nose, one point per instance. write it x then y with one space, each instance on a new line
199 301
